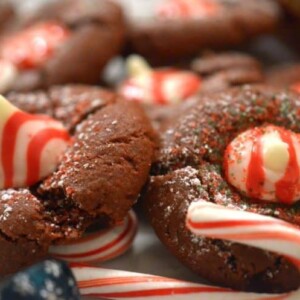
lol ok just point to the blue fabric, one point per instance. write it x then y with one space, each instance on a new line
49 280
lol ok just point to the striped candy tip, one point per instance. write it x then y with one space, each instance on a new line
101 246
31 146
158 86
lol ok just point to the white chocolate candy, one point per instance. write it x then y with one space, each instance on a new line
264 164
8 75
157 86
30 146
101 246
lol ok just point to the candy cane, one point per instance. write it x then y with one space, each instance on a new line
113 284
263 232
100 246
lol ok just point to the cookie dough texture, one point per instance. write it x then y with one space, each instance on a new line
188 168
98 179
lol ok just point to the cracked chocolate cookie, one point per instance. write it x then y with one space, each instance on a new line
96 178
235 150
64 42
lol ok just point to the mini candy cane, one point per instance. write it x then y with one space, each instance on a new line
112 284
100 246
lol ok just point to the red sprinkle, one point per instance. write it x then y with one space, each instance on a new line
256 174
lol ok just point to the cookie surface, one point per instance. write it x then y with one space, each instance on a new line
284 76
98 178
189 167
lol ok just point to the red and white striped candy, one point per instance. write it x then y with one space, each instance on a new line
101 246
263 232
158 86
187 9
30 146
113 284
31 47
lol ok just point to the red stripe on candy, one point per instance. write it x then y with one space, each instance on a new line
101 249
286 187
35 149
9 140
256 175
160 292
157 80
233 223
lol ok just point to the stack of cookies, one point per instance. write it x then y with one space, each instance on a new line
174 104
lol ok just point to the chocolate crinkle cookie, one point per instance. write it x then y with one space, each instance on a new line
227 69
98 178
287 76
176 29
218 151
79 38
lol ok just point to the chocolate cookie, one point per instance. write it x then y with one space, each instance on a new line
223 70
292 6
197 164
6 15
183 28
284 76
79 38
98 177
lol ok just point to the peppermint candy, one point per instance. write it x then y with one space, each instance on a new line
158 86
33 46
30 146
101 246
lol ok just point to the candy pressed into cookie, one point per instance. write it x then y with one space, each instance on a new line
232 153
63 42
95 175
